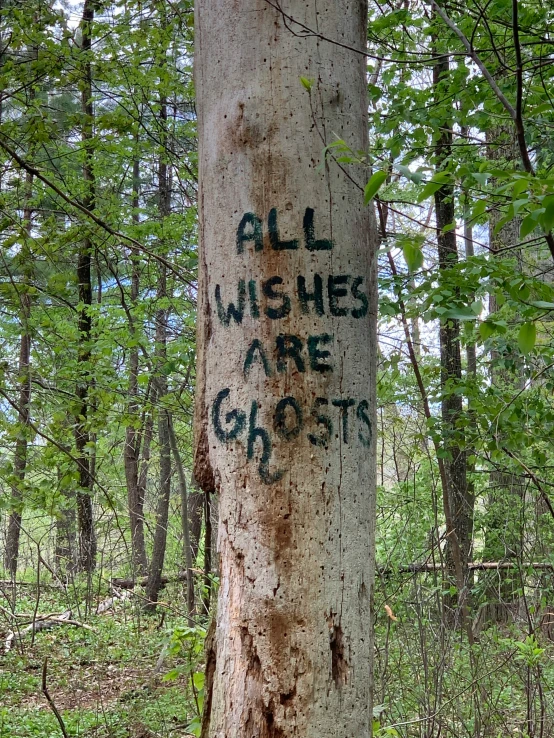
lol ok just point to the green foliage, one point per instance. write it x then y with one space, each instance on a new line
102 682
373 186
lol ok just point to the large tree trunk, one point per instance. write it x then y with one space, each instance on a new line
87 535
286 373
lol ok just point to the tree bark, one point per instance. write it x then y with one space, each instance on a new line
503 536
187 553
135 500
11 553
461 501
85 519
195 509
162 511
285 412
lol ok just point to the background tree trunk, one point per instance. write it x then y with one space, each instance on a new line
135 500
164 441
506 493
85 519
11 554
461 500
187 553
195 510
286 376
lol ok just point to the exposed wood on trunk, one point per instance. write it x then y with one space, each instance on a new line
208 549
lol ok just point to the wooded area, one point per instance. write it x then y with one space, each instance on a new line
227 507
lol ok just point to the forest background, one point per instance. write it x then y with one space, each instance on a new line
101 520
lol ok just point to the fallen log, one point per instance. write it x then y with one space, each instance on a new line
43 623
419 568
132 583
109 602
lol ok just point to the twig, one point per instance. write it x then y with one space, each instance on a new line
51 701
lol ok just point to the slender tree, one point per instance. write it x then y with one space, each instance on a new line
164 437
24 379
135 499
460 501
85 517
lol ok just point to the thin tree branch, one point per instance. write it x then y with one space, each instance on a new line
473 55
51 701
78 206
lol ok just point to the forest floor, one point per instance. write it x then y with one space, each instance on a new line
107 681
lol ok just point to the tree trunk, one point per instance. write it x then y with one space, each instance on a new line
147 435
135 500
503 537
286 373
187 553
11 553
162 511
87 535
154 583
461 501
195 509
65 550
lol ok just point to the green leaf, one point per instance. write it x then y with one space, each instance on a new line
528 225
372 187
505 219
542 304
544 108
486 330
479 208
481 177
307 83
434 184
547 218
527 337
460 313
413 256
198 679
520 291
520 186
407 172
